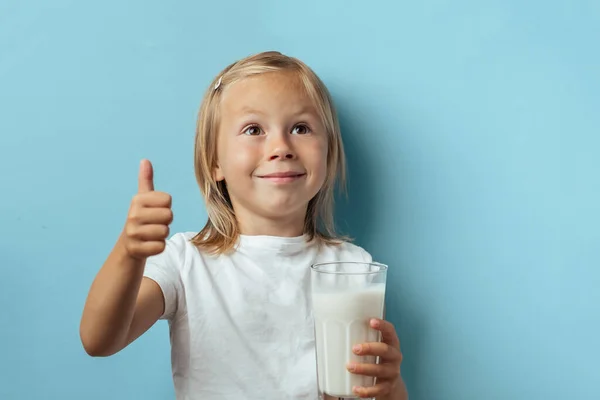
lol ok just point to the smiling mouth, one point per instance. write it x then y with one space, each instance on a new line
285 177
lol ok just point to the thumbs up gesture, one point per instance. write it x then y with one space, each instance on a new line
149 216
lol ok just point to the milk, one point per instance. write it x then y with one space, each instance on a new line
342 321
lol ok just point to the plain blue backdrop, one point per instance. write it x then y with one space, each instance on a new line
473 135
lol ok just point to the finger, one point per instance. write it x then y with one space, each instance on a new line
149 233
146 249
386 371
149 216
145 177
153 199
378 349
380 389
388 331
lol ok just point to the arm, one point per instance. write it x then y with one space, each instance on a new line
121 305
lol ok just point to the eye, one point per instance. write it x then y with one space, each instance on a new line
300 129
252 130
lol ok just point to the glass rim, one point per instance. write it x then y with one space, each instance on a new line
382 267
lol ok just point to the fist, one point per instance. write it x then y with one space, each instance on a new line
147 225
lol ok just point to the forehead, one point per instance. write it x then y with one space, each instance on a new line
283 90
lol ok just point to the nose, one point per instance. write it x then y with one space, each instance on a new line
280 148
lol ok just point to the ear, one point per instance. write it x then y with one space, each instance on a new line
218 174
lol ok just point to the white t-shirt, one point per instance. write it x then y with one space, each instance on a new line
241 324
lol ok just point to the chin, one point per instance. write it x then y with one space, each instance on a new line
283 210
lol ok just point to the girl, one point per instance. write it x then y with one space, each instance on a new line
268 153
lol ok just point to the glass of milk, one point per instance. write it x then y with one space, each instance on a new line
345 296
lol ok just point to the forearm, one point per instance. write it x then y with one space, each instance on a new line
110 305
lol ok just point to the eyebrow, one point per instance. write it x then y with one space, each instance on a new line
249 110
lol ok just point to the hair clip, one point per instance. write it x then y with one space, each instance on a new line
218 82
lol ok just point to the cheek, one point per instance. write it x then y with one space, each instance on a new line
238 159
318 154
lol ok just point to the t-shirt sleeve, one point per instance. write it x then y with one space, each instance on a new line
164 269
366 255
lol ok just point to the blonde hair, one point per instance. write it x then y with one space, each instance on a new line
221 232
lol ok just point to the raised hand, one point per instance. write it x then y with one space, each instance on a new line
147 225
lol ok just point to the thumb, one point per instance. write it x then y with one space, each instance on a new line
145 178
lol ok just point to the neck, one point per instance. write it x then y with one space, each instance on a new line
288 226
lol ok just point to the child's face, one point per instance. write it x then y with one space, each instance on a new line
272 151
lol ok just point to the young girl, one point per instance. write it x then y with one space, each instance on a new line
268 153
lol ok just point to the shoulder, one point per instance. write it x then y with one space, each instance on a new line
181 240
178 248
345 251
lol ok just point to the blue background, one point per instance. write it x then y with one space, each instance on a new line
473 135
